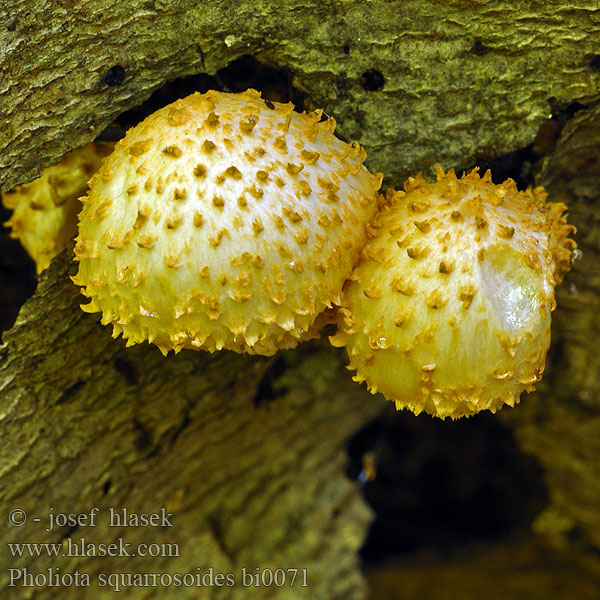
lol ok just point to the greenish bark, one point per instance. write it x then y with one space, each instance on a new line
248 452
254 477
457 77
560 424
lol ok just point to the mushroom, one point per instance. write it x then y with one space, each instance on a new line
448 311
45 211
223 221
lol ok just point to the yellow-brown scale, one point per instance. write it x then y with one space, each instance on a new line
224 221
449 309
45 211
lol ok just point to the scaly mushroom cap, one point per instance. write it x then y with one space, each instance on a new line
45 211
449 309
223 221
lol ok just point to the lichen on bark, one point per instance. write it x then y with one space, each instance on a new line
254 479
454 80
248 452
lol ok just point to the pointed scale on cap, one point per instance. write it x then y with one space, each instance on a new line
449 309
224 221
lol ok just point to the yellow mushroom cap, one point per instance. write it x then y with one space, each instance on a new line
448 311
223 221
45 211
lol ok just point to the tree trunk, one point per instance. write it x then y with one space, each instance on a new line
417 82
247 453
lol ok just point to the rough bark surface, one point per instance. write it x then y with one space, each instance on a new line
254 477
559 425
248 452
417 82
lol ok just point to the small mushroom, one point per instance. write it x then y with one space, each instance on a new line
448 311
45 211
224 221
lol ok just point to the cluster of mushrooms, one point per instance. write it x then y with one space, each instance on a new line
226 221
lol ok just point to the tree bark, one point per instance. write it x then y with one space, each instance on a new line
558 425
417 82
247 452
